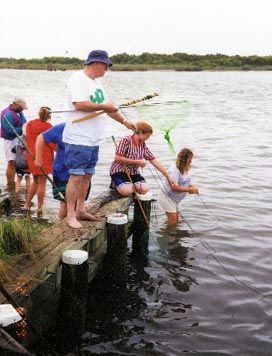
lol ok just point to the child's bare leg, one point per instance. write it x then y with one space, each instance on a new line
125 189
32 191
18 183
27 180
172 218
41 192
62 210
141 187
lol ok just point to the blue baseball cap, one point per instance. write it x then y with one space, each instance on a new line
98 56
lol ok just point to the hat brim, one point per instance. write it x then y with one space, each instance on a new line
93 60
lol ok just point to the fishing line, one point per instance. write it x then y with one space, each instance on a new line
123 112
210 248
211 251
206 206
207 246
160 183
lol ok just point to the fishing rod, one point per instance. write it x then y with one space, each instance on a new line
124 105
137 198
167 102
33 157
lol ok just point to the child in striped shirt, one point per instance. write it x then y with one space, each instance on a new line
131 155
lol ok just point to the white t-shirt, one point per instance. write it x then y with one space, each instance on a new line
180 179
90 132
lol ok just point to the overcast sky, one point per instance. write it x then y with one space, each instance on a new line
34 29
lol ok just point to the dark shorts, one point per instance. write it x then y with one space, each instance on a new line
122 178
21 173
80 159
60 187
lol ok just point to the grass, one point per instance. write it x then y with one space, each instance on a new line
16 241
16 236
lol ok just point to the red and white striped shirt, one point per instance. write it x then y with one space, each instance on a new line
129 148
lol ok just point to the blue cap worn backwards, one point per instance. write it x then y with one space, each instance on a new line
98 56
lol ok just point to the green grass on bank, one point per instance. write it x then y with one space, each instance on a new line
16 241
149 61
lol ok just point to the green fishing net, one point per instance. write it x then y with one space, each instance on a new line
165 116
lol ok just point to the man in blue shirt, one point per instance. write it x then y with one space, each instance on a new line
12 121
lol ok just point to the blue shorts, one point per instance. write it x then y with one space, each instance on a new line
122 178
80 159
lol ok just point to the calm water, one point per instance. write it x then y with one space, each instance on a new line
208 287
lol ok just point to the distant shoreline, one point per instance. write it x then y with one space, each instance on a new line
141 68
149 62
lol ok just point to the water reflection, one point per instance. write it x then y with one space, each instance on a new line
118 316
172 243
111 307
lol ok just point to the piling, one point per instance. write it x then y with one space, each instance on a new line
117 248
73 295
140 227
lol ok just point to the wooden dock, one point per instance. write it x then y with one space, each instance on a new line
37 283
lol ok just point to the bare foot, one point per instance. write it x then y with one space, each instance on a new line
72 222
87 217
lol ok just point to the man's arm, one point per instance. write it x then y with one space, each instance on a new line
117 116
110 109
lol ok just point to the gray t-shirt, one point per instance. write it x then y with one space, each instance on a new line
180 179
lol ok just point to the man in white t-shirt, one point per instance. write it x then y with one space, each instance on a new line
85 94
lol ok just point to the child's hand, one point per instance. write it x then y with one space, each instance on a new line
193 189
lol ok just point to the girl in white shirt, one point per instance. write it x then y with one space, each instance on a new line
170 196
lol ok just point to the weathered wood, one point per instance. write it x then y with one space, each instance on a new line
10 346
41 278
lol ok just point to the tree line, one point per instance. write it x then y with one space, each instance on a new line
150 61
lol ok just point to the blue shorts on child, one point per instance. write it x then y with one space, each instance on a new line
122 178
